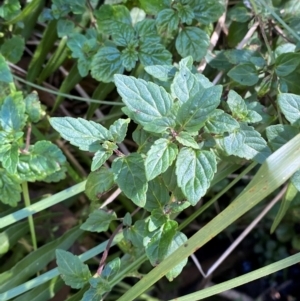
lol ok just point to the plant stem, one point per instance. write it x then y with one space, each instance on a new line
30 218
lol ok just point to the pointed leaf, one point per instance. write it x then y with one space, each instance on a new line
237 105
286 63
160 156
75 273
9 155
99 221
245 74
118 129
289 104
195 170
187 140
100 158
167 20
10 188
193 113
5 74
130 175
161 72
111 269
80 132
33 107
156 219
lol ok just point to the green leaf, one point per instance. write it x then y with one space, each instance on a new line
220 122
105 63
87 135
12 49
279 134
194 112
12 113
178 240
207 11
99 221
10 189
42 160
244 74
111 269
33 107
239 13
76 42
123 35
167 19
237 105
100 158
192 41
154 54
156 220
93 294
143 139
5 74
111 17
161 72
286 63
154 6
130 175
295 179
289 105
185 13
195 170
157 248
118 129
129 58
187 140
127 220
252 146
157 195
160 156
149 102
284 205
99 182
135 234
65 27
9 156
147 32
185 85
72 270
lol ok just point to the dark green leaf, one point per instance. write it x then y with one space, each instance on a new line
10 189
168 20
244 74
87 135
72 270
185 13
98 183
33 107
239 13
195 170
158 246
75 43
12 49
106 62
220 122
12 113
130 175
187 140
156 219
99 221
194 112
5 74
286 63
160 156
289 104
127 220
192 41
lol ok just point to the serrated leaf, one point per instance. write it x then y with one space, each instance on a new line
5 74
160 156
12 113
185 85
195 170
167 19
130 175
111 269
219 122
10 189
194 112
157 195
154 6
280 134
156 219
99 221
135 234
237 105
245 74
207 11
105 63
232 142
147 32
149 102
98 183
187 140
252 117
111 17
289 104
154 54
123 35
254 146
178 240
12 49
65 27
143 139
33 107
9 156
74 273
118 129
286 63
92 294
185 13
192 41
129 58
76 42
87 135
161 72
157 248
100 158
42 160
